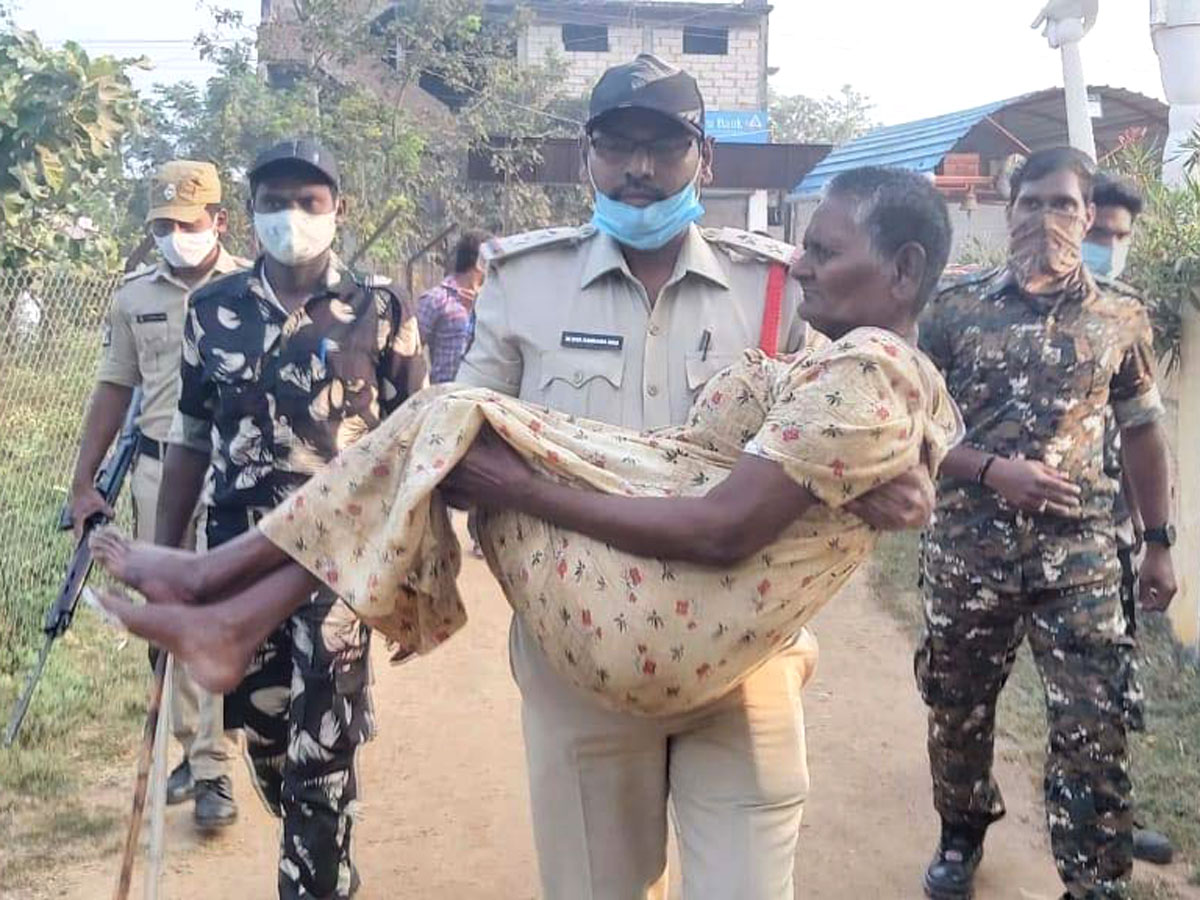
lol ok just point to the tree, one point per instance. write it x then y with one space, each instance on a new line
352 86
62 118
1164 262
826 120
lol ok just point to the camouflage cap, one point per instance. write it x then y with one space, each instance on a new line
648 83
181 188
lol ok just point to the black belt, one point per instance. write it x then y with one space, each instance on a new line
149 447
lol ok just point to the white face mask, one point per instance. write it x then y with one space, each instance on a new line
186 249
293 236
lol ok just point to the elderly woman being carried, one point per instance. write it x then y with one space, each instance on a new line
657 570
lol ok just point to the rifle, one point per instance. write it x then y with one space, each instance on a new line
109 481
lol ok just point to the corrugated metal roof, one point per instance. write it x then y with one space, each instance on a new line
1030 122
919 146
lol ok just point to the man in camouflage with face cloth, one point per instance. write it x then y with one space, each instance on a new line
1022 541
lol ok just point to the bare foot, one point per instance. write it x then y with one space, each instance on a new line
162 574
204 638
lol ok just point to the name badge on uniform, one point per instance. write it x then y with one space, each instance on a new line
581 340
147 318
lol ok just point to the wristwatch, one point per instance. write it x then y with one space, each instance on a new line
1163 534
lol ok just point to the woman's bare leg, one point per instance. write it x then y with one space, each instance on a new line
217 641
166 575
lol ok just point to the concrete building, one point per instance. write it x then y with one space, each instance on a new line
724 45
284 50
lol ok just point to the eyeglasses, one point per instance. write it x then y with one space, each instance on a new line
616 149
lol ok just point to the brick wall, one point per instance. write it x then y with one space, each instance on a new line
728 82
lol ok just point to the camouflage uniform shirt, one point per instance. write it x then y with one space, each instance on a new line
280 393
1034 377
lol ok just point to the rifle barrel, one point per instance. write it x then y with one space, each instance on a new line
62 610
18 716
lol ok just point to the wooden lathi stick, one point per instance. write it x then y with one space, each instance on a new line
145 757
157 795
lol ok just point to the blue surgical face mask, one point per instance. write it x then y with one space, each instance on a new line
1107 261
646 227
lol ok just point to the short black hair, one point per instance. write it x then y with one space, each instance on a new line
898 206
1056 159
466 251
1111 189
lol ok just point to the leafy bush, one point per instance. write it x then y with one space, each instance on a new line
1164 262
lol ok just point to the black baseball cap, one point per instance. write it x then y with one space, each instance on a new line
648 83
303 152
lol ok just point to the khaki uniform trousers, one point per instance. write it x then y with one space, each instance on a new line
734 770
197 717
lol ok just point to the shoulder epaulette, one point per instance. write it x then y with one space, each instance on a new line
1117 286
500 249
372 282
222 286
139 272
964 276
751 244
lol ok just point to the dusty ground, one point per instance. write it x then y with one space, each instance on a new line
444 785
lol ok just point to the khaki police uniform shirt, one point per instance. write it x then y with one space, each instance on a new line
562 322
144 338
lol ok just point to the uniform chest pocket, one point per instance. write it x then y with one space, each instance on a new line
577 381
579 368
153 333
242 401
1082 368
700 367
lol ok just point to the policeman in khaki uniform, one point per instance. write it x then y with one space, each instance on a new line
623 320
142 345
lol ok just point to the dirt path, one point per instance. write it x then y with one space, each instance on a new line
445 796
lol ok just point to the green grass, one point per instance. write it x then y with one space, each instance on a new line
36 839
86 715
1165 760
1152 889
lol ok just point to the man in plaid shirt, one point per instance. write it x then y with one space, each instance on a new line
446 313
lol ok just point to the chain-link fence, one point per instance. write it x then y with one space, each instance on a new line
51 328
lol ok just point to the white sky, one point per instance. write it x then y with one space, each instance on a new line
913 58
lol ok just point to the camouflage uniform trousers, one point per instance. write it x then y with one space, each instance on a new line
1135 711
1085 659
304 707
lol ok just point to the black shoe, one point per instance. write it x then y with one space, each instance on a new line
1152 847
214 803
180 786
951 874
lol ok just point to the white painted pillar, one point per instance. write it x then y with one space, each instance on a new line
1066 23
756 211
1079 116
1175 30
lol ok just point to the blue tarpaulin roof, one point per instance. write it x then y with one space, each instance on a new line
919 146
